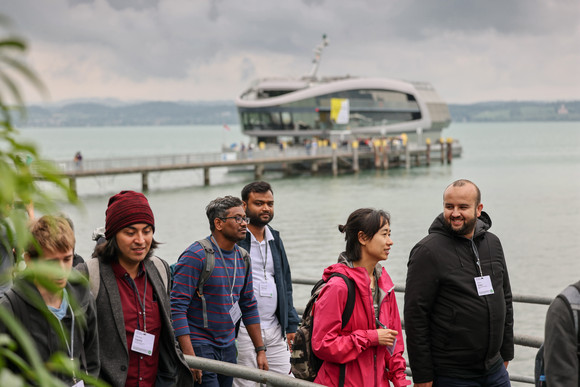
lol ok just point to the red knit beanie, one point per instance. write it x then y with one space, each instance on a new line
124 209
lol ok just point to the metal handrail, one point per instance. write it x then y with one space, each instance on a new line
265 377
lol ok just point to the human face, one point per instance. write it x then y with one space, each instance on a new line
260 208
460 209
62 261
379 246
229 228
134 243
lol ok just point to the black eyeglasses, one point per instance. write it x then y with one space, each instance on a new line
239 219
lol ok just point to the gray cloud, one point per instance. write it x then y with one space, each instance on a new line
452 43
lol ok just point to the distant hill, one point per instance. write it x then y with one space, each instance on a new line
116 113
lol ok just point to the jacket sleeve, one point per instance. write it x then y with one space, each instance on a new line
329 341
560 359
293 319
420 292
91 342
507 347
396 364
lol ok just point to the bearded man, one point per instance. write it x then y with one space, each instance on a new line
458 300
272 284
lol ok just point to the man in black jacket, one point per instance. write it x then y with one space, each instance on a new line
458 301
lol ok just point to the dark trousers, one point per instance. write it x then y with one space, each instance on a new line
211 379
500 378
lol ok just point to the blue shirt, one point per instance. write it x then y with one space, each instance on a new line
186 306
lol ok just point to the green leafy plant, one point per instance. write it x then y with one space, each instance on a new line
21 170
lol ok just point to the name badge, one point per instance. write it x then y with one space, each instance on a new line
265 290
143 342
235 312
391 348
483 285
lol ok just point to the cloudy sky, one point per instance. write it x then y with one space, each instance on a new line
193 50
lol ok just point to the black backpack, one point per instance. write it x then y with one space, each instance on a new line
571 296
305 364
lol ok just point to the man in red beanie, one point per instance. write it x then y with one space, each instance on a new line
138 345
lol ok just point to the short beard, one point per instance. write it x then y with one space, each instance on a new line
257 220
467 227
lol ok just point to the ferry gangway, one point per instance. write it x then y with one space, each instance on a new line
269 378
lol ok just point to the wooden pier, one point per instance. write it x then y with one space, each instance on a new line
291 160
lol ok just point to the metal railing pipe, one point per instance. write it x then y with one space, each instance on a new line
238 371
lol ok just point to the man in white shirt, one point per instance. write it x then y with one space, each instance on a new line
272 284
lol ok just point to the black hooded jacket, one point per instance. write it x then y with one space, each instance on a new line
451 330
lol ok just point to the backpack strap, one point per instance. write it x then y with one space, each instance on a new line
571 296
346 315
206 270
94 275
162 267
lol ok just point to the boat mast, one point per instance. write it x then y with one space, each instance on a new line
317 55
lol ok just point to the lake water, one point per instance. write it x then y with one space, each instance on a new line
529 175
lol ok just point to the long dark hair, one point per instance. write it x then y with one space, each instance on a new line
108 252
367 220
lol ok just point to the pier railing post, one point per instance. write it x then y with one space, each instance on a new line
334 160
385 153
145 181
428 151
355 166
449 150
442 144
73 185
206 176
259 171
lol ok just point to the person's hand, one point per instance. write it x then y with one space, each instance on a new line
290 340
428 384
196 375
387 336
262 361
505 364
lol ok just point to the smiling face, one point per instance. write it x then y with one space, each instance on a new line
260 208
134 242
461 210
379 246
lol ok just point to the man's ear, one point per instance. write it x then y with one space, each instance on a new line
217 222
244 206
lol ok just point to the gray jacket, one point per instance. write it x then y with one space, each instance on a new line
172 371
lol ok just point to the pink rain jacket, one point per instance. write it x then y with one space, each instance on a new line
367 363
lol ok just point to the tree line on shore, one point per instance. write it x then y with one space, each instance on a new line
160 113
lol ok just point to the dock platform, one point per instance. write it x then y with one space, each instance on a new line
291 160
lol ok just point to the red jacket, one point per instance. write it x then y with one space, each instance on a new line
367 363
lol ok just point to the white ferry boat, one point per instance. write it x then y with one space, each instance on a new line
340 108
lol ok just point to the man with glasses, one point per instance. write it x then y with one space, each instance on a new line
272 284
228 294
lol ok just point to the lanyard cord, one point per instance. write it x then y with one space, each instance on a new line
142 304
70 348
226 269
477 261
264 258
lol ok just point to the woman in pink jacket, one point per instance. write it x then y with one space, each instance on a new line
371 343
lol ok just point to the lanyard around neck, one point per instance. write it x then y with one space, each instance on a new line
232 284
264 258
141 304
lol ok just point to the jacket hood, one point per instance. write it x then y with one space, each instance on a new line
482 225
